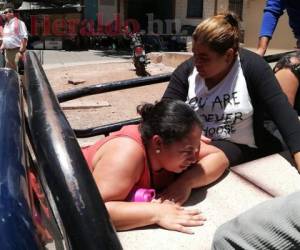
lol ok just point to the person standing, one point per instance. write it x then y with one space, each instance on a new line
15 37
272 12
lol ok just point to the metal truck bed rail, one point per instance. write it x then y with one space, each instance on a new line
78 201
125 84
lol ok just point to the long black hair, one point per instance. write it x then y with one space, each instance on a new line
286 63
172 120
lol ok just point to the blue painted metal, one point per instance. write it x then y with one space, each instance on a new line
16 226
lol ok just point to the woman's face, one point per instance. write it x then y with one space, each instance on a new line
178 156
209 63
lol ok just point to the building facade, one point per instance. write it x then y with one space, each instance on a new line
192 12
152 16
283 38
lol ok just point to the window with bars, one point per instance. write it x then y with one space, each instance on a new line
236 6
195 9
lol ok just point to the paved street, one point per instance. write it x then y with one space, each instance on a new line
60 58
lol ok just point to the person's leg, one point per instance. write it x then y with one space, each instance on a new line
10 59
17 59
273 224
238 153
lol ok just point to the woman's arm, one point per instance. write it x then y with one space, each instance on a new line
262 46
178 87
213 163
272 12
119 165
289 83
129 215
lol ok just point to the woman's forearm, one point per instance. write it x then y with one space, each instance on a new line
209 169
129 215
262 46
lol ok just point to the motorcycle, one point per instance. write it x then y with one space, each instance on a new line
140 60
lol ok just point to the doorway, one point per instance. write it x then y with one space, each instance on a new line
150 10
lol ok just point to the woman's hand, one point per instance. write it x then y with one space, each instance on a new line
174 217
177 192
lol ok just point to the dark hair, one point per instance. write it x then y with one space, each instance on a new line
9 6
285 61
172 120
220 32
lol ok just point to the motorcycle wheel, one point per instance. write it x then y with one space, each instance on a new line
140 69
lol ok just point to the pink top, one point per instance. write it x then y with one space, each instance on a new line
130 131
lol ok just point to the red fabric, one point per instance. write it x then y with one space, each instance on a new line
132 132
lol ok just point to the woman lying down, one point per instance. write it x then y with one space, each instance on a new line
130 164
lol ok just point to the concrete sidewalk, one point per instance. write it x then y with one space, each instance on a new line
245 186
60 58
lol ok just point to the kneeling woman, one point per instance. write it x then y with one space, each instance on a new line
148 155
232 89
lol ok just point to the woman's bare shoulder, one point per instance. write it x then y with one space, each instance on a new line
120 159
